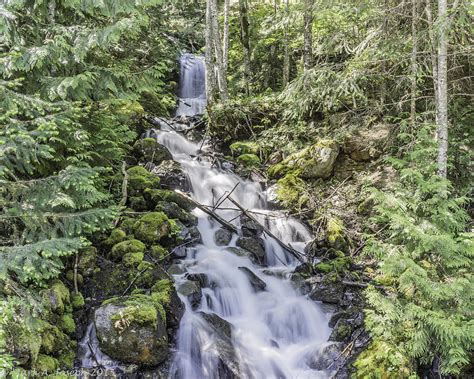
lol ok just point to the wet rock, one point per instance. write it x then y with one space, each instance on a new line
342 330
368 143
327 292
149 150
132 334
299 283
192 291
176 269
256 283
228 360
222 237
255 246
250 228
325 359
200 278
172 175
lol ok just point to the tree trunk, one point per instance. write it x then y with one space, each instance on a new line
216 37
308 34
442 101
434 62
245 40
225 44
210 69
414 63
286 59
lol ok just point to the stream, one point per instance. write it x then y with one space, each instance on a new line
270 330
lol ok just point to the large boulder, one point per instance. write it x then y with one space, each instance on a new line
228 360
255 246
192 291
368 143
172 175
327 292
316 161
149 150
250 228
222 237
152 227
132 334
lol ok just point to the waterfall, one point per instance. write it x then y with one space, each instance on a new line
275 332
192 86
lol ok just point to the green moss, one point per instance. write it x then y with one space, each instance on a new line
137 203
46 363
337 265
117 235
127 247
278 170
173 210
149 150
53 340
132 259
249 160
57 297
139 179
87 260
334 229
66 360
18 373
70 277
290 190
323 267
67 324
127 224
245 147
151 227
142 314
158 252
154 196
77 300
175 229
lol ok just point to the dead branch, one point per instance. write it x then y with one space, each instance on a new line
288 248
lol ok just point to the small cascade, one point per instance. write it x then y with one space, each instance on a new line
250 321
192 86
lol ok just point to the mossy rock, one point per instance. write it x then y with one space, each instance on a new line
77 300
127 247
117 235
173 210
154 196
127 224
46 364
140 179
244 147
57 297
67 324
132 259
66 360
290 191
87 260
53 340
249 160
138 203
149 150
70 277
152 227
158 252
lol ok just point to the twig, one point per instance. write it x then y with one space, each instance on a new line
224 197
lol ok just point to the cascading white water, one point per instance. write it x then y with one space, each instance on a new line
192 86
275 332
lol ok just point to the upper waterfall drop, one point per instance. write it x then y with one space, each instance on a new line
192 86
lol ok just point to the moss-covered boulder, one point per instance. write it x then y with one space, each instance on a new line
140 179
77 300
57 297
149 150
137 203
46 364
154 196
316 161
132 333
127 247
368 143
152 227
244 147
173 210
116 235
248 160
172 175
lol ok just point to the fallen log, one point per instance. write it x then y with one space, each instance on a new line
288 248
211 213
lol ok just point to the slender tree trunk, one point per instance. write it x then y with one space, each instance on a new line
225 45
383 65
414 62
286 59
442 101
245 40
216 37
210 69
308 34
434 61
